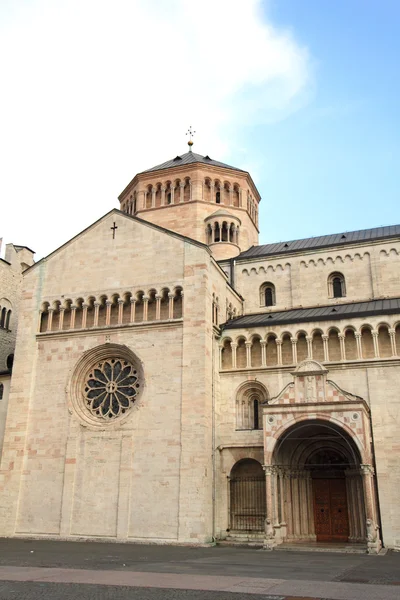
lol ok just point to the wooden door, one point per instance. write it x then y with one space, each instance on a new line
330 510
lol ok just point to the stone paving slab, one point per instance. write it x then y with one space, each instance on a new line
315 590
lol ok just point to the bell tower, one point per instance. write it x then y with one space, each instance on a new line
198 197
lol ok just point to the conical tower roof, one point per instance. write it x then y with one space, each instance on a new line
191 158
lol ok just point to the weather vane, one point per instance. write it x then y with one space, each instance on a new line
190 133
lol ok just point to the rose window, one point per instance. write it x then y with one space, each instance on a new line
111 388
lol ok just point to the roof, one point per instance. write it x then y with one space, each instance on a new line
322 241
332 312
190 158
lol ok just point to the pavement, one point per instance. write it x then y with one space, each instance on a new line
34 570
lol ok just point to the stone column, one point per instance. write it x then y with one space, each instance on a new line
73 314
212 192
373 536
172 194
263 345
234 348
133 309
163 188
145 307
158 307
269 540
108 311
352 505
181 191
392 334
50 319
84 314
376 343
357 335
40 321
342 346
282 477
325 339
230 195
294 350
153 197
309 346
96 314
61 321
171 305
120 310
279 351
248 354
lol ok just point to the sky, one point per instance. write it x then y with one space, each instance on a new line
304 94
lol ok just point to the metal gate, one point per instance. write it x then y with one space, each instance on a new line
247 503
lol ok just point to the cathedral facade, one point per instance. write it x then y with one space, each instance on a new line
176 382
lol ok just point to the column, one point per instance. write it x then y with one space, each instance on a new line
282 476
342 346
294 350
133 309
357 335
158 307
145 307
84 314
240 197
108 311
279 349
295 503
263 345
212 192
96 314
120 310
309 346
153 197
233 348
73 314
172 194
163 188
373 536
221 347
269 541
214 229
248 354
61 322
40 321
325 339
230 195
392 334
181 191
50 319
376 343
303 504
171 305
352 506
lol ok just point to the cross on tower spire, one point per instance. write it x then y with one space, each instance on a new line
190 133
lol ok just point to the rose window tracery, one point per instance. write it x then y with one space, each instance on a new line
111 388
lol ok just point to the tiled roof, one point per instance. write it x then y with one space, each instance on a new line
387 306
335 239
190 158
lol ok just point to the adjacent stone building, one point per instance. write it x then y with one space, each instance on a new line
175 382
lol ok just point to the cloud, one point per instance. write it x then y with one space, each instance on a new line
95 91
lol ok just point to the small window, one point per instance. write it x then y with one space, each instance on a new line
1 391
336 286
3 317
8 319
10 361
218 197
267 294
256 414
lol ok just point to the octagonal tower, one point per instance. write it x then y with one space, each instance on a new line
200 198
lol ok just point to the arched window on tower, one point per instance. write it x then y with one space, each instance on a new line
336 285
218 197
3 317
8 319
267 294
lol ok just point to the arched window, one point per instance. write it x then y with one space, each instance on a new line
249 401
1 391
267 294
336 285
8 319
218 197
3 317
256 414
169 197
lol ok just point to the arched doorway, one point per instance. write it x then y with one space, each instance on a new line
247 508
317 487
